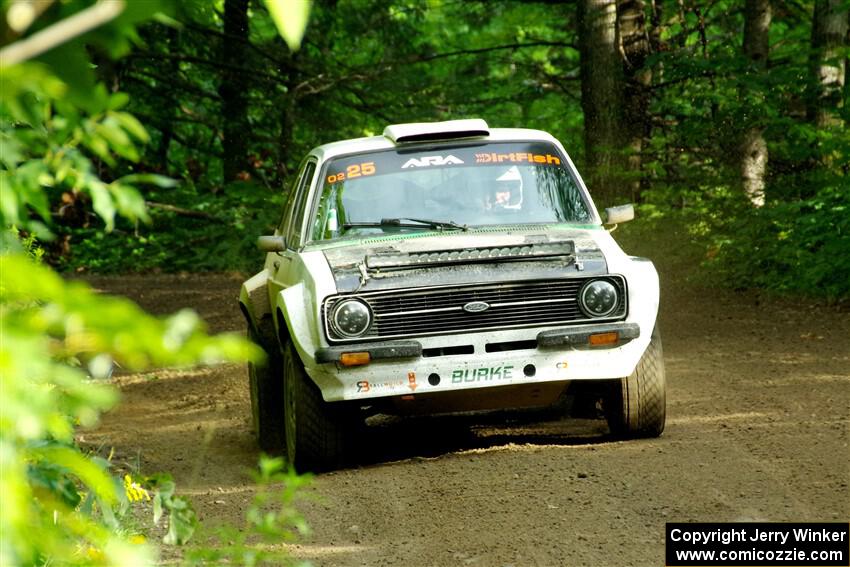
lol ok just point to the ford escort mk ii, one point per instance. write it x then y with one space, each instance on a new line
439 268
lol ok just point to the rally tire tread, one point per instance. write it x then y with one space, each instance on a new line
266 390
320 436
636 405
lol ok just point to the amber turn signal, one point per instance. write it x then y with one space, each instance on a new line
354 358
603 339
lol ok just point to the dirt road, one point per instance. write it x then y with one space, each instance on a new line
758 420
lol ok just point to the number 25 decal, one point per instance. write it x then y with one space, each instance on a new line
352 171
359 169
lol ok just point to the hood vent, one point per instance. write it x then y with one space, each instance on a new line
396 260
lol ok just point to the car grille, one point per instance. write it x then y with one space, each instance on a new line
439 310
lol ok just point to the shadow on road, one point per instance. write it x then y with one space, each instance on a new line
387 439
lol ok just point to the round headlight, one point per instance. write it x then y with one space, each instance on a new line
598 298
351 318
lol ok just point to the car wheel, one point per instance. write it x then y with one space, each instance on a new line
316 431
266 388
636 406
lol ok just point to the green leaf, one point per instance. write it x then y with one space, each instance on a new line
70 62
119 142
181 522
102 203
30 178
131 125
290 17
129 201
81 467
99 146
9 204
11 151
118 100
151 179
55 479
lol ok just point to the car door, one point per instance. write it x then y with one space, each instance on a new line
284 268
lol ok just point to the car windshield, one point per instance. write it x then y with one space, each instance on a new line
447 188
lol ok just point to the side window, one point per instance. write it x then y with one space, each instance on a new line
286 220
287 213
301 193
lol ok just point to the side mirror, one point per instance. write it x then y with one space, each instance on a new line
271 243
616 215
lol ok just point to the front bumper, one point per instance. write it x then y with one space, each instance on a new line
575 337
497 359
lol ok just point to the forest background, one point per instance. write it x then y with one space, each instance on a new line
162 135
727 116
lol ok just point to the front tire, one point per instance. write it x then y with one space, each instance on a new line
316 433
266 388
636 406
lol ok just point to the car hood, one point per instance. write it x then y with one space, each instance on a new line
456 258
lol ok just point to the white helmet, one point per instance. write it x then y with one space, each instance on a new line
509 189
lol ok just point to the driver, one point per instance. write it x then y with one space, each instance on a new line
507 193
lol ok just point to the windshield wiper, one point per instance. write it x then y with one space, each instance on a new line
439 225
407 222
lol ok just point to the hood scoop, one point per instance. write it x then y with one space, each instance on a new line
393 260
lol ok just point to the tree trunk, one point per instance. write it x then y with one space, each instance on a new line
635 47
847 76
287 123
602 97
167 129
753 154
847 71
233 87
829 28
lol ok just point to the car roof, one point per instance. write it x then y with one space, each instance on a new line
385 142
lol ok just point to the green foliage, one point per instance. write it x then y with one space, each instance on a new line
60 339
290 17
47 147
182 520
271 520
800 246
223 239
706 94
363 64
47 323
27 242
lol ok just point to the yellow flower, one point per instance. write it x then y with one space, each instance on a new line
137 539
134 491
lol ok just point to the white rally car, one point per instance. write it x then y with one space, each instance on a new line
445 267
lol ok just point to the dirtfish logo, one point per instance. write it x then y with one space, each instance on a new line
426 161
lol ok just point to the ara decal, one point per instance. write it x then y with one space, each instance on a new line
427 161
